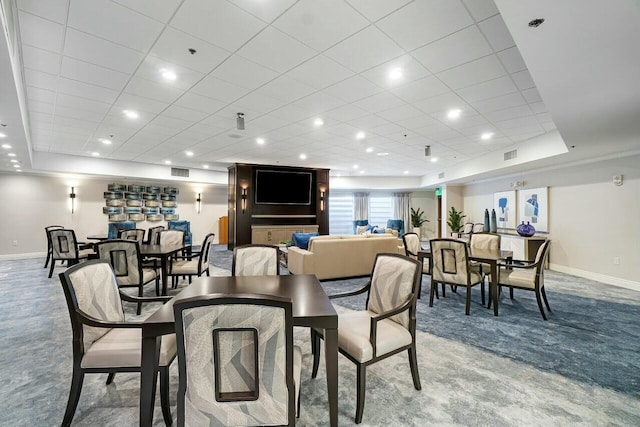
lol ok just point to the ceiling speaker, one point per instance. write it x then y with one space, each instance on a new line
240 121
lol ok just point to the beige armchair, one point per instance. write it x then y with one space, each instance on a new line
49 244
412 246
237 362
132 234
103 342
195 264
255 260
64 247
153 234
483 240
450 261
528 276
387 326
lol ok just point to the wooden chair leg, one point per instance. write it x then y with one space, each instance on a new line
443 294
511 293
53 263
544 296
110 377
315 349
164 395
482 291
539 300
413 363
432 291
140 294
360 392
46 262
74 396
468 304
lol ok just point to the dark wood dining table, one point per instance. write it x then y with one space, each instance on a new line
163 253
311 308
487 256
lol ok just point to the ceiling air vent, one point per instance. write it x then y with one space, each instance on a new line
180 172
441 175
509 155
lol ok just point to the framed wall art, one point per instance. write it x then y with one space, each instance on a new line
504 203
533 207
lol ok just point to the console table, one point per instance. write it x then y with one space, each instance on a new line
274 234
524 248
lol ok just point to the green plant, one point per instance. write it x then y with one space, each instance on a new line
417 218
455 219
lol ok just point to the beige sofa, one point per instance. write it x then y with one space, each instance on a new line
339 256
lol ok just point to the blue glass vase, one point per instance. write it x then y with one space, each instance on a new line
486 226
526 230
493 226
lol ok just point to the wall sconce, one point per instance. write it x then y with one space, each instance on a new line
244 199
322 190
72 196
198 203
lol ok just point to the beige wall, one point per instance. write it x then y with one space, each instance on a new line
452 195
425 200
591 221
31 202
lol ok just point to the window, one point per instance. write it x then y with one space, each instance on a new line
341 214
380 210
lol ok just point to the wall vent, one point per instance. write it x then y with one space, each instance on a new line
509 155
180 172
441 175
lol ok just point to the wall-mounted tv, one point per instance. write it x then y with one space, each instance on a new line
283 187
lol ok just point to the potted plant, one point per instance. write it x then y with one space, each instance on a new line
455 219
417 220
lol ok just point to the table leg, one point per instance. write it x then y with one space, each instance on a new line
494 286
331 362
165 274
148 376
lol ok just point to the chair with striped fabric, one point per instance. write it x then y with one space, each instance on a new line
255 260
64 247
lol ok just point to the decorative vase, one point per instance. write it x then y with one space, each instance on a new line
417 231
494 223
486 220
526 230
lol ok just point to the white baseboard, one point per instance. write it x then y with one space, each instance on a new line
615 281
13 257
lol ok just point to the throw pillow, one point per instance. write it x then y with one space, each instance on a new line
301 240
361 229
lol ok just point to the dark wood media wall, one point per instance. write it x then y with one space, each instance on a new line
244 212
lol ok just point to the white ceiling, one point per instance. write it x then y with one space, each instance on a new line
284 63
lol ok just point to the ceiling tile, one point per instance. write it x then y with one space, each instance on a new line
352 89
509 113
70 101
78 113
244 73
85 90
442 102
41 33
489 89
512 60
113 22
523 80
213 87
538 107
265 10
481 9
458 48
152 90
401 112
40 60
40 79
259 102
217 22
344 113
153 67
101 52
41 95
531 95
471 73
276 50
320 72
199 103
93 74
365 49
420 89
379 102
499 103
54 10
423 22
497 33
173 46
285 89
320 24
129 101
186 114
409 68
376 9
159 10
317 103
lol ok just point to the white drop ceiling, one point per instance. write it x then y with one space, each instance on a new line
285 63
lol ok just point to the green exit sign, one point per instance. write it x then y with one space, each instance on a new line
438 191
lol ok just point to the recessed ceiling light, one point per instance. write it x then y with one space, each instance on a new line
406 172
382 154
14 161
11 155
95 153
454 114
168 74
3 135
260 141
318 122
105 141
356 166
18 170
6 146
131 114
189 153
360 135
487 135
361 172
370 150
303 156
167 162
16 166
434 159
395 74
205 166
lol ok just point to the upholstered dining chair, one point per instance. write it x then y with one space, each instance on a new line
64 247
387 325
255 260
126 261
49 244
465 232
195 264
103 341
171 237
450 265
154 234
528 276
483 240
412 246
237 364
136 234
478 227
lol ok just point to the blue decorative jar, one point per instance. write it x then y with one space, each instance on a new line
526 230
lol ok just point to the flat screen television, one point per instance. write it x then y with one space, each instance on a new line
283 187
